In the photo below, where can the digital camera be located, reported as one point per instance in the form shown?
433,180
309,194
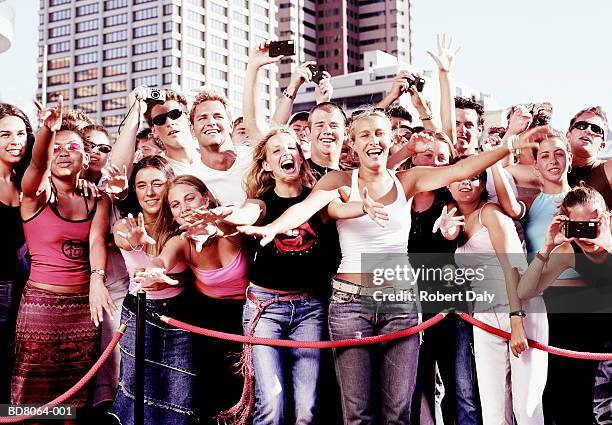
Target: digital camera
317,74
156,95
581,229
418,83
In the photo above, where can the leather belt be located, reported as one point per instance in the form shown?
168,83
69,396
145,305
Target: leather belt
352,288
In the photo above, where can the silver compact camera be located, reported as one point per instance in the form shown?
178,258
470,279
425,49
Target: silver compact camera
156,95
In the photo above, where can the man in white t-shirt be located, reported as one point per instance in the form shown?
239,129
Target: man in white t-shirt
222,166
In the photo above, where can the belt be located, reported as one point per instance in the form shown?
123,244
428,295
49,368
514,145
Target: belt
352,288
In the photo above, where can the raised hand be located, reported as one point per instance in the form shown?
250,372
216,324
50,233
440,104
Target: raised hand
139,94
446,52
531,138
324,90
421,142
199,232
604,238
554,234
519,121
267,233
117,180
374,210
491,142
400,83
51,117
259,55
302,73
86,188
448,223
152,279
136,233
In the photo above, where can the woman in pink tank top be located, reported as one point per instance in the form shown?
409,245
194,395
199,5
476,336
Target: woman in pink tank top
63,302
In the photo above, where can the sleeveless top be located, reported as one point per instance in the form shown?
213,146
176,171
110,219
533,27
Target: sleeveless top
362,235
593,176
478,254
13,240
228,281
59,247
541,213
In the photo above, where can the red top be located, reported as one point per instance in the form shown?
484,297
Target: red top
59,247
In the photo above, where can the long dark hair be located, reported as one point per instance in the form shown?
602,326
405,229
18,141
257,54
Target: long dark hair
7,110
130,205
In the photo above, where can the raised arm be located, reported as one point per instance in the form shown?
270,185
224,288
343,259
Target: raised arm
444,60
42,151
284,107
254,120
124,148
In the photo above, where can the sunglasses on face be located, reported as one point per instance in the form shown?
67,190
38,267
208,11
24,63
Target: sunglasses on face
69,147
160,119
102,148
583,125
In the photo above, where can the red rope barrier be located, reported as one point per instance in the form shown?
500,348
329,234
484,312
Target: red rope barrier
81,383
369,340
535,344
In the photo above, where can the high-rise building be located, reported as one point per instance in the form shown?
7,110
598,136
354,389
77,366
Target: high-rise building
98,51
336,33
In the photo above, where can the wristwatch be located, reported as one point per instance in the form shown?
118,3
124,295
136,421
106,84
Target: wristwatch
519,313
100,272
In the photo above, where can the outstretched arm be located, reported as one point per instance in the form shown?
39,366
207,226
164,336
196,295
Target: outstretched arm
124,149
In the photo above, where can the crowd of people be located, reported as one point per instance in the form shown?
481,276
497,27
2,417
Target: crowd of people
263,227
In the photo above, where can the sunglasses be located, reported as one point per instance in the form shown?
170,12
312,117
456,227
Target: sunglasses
363,111
102,147
583,125
160,119
70,147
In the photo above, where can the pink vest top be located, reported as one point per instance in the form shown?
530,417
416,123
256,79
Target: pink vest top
229,281
59,247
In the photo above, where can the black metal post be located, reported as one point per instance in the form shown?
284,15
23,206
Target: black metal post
141,309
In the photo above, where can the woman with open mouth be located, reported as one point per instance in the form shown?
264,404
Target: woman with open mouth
388,370
65,296
16,140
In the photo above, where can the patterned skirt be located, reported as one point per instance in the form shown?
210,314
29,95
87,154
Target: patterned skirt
56,344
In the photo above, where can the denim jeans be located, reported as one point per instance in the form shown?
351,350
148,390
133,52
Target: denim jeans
364,372
280,369
449,345
169,376
8,313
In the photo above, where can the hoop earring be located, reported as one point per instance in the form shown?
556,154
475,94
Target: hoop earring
569,169
85,166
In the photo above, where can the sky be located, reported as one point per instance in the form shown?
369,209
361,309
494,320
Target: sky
519,51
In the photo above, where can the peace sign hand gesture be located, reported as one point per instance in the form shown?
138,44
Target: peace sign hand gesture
50,117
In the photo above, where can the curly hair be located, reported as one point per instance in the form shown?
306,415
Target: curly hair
257,181
465,103
71,116
7,110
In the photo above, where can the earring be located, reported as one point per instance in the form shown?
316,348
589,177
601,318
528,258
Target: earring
569,169
85,166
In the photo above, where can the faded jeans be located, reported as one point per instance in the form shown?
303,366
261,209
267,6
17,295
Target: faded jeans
283,374
364,372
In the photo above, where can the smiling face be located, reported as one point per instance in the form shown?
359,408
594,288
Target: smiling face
184,198
13,139
371,140
283,158
68,154
553,159
468,131
98,159
327,131
173,133
240,136
211,124
585,143
150,185
467,191
439,154
301,130
587,212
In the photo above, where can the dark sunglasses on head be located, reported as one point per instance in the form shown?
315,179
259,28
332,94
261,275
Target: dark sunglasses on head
583,125
161,118
102,147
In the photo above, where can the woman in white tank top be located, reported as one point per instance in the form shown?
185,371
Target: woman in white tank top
357,309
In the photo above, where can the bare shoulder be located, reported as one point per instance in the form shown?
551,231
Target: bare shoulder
334,180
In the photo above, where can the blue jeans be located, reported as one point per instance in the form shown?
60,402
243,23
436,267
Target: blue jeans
169,375
8,315
388,369
277,369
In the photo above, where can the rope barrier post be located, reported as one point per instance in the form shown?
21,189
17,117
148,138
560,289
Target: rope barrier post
141,309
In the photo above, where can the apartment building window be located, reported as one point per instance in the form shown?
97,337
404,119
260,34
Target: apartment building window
60,15
199,3
218,58
63,46
148,80
219,42
88,9
241,3
115,4
82,43
145,31
112,104
143,14
59,63
115,36
218,9
86,58
143,1
194,33
194,67
168,60
120,19
86,91
58,2
240,49
88,107
194,17
261,26
56,80
168,26
218,74
194,50
239,17
59,31
84,26
218,25
169,8
142,48
167,78
119,52
119,69
114,87
240,34
86,74
237,64
144,65
191,83
260,10
54,95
